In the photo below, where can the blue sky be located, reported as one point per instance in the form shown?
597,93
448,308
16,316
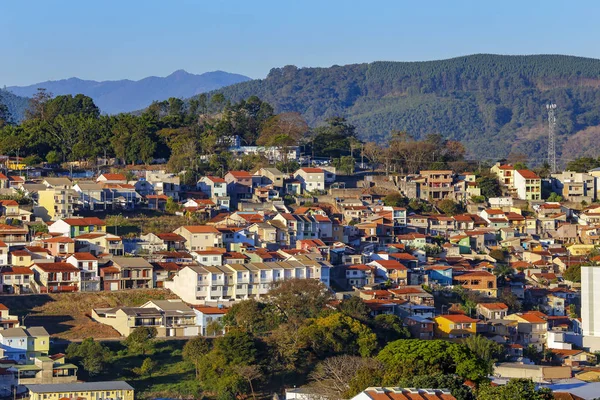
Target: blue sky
110,39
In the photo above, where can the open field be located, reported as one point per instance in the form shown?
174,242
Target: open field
67,315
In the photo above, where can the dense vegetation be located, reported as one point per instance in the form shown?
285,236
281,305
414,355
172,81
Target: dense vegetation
16,105
494,104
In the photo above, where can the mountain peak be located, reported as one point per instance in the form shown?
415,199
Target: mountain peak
179,73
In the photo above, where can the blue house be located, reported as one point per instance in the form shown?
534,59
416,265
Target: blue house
440,274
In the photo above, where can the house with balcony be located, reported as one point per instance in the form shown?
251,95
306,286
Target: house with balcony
272,177
391,270
215,188
16,280
120,196
455,326
4,254
532,328
10,210
73,227
171,318
56,201
360,275
56,277
89,275
153,242
505,174
132,273
13,235
528,185
165,183
437,185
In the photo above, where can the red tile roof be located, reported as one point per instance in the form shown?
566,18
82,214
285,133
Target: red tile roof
84,221
310,170
527,174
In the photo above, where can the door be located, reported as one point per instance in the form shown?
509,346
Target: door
114,286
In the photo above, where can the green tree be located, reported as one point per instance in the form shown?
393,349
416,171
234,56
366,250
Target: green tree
489,186
449,207
573,273
487,350
395,200
555,198
356,308
333,139
389,327
338,334
522,389
195,350
298,299
93,356
147,367
252,316
172,206
141,340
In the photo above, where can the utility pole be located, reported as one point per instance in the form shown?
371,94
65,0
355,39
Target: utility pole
551,137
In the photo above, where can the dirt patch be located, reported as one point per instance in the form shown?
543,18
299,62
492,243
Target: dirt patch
67,315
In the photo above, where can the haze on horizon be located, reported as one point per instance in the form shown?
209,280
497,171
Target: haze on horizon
114,40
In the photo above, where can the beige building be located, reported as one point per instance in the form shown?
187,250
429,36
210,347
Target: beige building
120,390
56,201
45,370
200,237
528,185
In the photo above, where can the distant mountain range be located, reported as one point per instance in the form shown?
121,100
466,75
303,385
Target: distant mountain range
16,104
494,104
125,95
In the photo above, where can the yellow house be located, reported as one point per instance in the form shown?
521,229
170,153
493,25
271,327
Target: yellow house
455,326
38,344
21,258
16,165
82,390
580,249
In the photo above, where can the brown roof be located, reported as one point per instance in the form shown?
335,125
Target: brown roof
310,170
57,267
201,229
494,306
527,174
458,318
59,239
211,310
171,237
240,174
114,177
84,256
84,221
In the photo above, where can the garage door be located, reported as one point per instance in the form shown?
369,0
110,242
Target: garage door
190,331
114,286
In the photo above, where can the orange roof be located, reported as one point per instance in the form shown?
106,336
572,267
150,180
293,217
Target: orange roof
84,221
211,310
215,179
174,237
240,174
17,271
57,267
527,174
494,306
84,256
407,394
361,267
59,239
157,197
114,177
391,264
310,170
201,229
457,318
9,203
533,317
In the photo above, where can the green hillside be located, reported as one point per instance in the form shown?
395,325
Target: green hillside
494,104
16,104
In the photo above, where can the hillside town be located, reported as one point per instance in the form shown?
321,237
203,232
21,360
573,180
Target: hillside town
429,248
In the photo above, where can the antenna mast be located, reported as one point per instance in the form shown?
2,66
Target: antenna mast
551,137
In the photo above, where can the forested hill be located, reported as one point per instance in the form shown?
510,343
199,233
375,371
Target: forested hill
126,95
495,104
16,104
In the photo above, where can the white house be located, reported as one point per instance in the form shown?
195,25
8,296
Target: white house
310,178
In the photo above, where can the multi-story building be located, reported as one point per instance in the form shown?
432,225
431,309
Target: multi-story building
271,176
200,237
20,344
527,185
239,186
165,183
13,235
100,243
532,328
437,185
89,277
216,189
590,307
7,320
16,280
479,281
117,390
505,174
214,284
171,318
127,273
492,310
44,370
56,277
56,201
419,327
90,195
575,186
310,179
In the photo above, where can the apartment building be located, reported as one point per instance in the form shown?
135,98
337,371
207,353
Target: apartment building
505,174
87,263
437,185
575,186
20,344
100,243
215,284
127,273
56,201
532,328
16,280
528,185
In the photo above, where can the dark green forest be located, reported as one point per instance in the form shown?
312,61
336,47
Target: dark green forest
494,104
16,105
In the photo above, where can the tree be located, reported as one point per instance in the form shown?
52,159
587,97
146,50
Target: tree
344,164
338,334
195,350
172,206
374,153
141,339
487,350
93,356
148,365
37,105
395,200
405,358
448,207
298,299
332,377
250,373
573,273
354,307
489,186
334,139
555,198
252,316
503,272
388,328
283,131
5,117
522,389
